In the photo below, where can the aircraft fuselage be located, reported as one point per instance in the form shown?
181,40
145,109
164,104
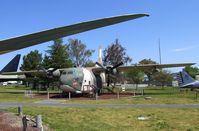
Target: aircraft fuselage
79,80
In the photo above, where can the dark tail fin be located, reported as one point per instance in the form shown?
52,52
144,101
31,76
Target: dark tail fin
12,65
184,78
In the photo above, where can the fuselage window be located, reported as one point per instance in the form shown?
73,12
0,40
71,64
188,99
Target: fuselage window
64,73
70,72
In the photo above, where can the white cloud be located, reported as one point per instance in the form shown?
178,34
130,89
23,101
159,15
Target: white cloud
185,48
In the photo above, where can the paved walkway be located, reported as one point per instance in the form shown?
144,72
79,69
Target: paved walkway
59,104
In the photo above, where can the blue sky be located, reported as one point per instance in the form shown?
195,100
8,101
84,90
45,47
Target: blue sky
174,22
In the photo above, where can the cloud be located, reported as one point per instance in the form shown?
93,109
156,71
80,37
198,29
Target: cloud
185,48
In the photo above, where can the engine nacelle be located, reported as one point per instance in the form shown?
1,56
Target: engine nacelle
157,70
115,71
56,73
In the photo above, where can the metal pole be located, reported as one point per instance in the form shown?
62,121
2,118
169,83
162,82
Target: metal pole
160,51
39,122
48,93
96,96
69,95
118,94
20,111
24,121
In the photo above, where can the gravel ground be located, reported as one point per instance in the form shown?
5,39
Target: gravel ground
12,122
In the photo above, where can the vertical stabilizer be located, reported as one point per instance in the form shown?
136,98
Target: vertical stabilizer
12,66
184,78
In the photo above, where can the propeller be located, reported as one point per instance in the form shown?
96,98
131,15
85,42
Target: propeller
109,70
50,73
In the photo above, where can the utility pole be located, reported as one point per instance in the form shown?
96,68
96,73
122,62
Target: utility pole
159,51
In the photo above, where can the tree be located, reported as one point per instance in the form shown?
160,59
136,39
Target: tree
31,61
136,76
115,53
148,71
78,53
163,77
46,63
192,71
90,64
57,56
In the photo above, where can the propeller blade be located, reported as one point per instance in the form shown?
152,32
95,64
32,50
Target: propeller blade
121,63
54,69
100,65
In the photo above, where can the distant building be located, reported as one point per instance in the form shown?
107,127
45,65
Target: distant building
197,77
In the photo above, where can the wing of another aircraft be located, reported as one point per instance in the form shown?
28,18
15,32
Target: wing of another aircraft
20,42
144,66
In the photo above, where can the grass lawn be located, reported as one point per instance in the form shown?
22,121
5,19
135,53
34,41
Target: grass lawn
167,95
108,119
14,94
111,119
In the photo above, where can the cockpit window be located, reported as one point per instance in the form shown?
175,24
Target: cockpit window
70,72
67,72
64,73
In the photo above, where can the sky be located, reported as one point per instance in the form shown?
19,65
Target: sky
173,22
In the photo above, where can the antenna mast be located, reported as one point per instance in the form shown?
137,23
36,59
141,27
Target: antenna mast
159,51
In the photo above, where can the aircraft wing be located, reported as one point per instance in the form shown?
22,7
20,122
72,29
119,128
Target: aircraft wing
33,73
143,66
20,42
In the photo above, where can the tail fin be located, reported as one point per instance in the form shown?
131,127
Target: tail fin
12,65
184,78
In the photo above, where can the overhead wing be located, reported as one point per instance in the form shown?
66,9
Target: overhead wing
144,66
20,42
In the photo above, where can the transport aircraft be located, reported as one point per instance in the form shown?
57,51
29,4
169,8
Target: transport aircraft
90,79
77,79
186,81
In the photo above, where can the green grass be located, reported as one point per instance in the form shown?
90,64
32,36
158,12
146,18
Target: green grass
159,96
14,94
111,119
62,119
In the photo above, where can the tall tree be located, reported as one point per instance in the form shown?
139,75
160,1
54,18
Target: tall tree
148,71
47,62
192,71
31,61
163,77
57,56
115,53
78,53
90,64
136,76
